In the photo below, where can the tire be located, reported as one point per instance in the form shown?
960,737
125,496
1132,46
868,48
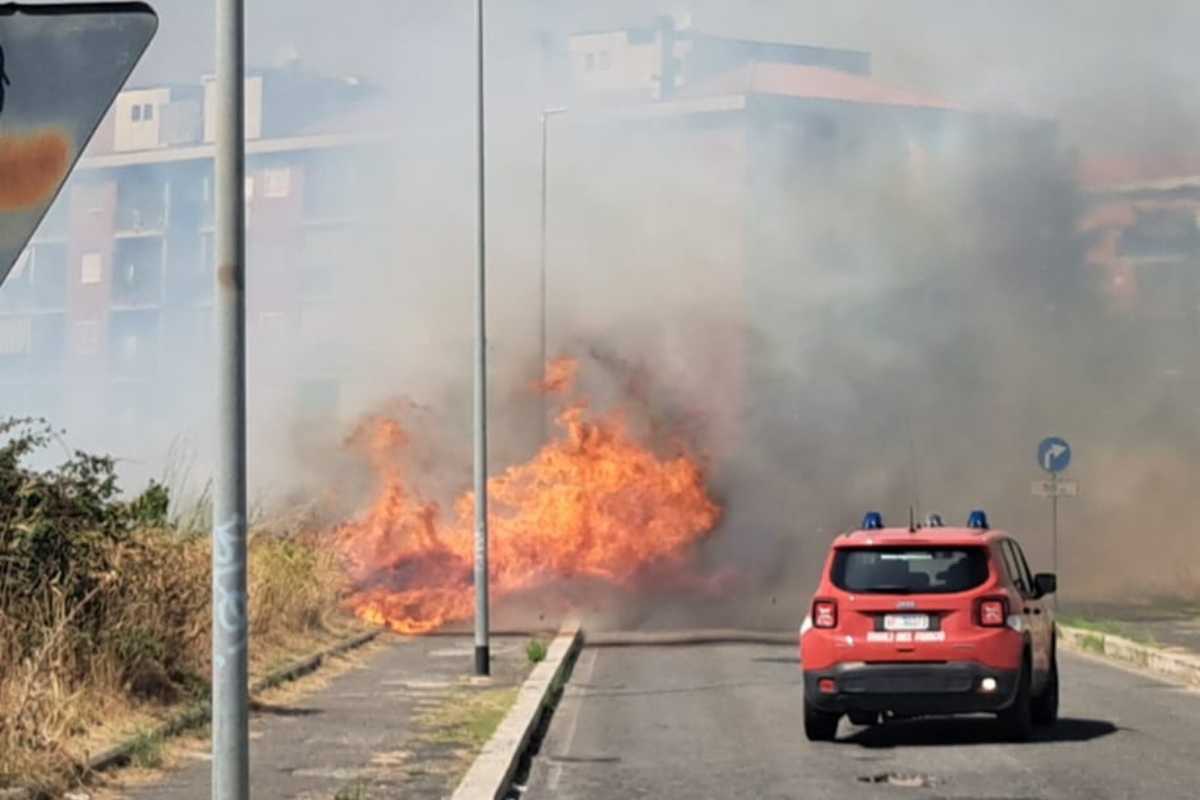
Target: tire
1017,719
863,717
1045,705
820,726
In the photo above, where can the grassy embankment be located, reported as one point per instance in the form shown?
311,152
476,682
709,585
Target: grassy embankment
105,607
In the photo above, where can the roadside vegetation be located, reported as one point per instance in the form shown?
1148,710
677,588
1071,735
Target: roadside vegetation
104,606
535,651
1100,625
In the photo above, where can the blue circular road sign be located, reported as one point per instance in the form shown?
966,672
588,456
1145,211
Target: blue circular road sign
1054,454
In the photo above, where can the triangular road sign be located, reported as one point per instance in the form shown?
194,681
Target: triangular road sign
60,68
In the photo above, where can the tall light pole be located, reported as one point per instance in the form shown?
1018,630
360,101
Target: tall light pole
230,720
482,659
545,119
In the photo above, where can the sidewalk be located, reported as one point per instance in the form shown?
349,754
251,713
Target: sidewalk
406,722
1173,626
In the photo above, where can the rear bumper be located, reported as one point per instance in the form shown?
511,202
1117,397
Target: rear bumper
905,688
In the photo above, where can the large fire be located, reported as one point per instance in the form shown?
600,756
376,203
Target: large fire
592,503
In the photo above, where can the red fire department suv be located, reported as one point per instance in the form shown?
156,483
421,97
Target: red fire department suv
927,620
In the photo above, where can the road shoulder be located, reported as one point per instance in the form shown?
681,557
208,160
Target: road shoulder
1175,664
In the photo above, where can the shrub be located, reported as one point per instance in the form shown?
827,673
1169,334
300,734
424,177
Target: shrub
535,651
104,604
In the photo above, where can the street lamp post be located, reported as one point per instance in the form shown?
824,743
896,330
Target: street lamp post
230,721
545,118
482,657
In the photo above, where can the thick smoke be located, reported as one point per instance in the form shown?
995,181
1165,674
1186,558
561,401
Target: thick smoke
917,311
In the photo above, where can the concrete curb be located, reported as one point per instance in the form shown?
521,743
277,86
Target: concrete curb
198,714
493,769
1178,666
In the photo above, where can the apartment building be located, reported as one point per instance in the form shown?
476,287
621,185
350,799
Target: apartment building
108,314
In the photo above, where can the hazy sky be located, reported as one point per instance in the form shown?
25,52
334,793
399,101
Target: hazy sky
1118,74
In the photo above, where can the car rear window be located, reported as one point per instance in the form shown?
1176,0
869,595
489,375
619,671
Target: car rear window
909,570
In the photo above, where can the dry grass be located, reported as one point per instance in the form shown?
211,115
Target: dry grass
66,689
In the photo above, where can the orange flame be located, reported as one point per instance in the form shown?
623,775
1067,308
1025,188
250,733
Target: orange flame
560,376
591,503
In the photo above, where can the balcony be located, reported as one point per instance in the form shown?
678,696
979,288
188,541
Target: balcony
142,205
190,276
137,273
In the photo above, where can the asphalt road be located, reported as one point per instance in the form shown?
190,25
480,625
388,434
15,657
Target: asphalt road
724,721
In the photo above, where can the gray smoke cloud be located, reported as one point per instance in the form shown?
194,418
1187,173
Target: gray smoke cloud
901,337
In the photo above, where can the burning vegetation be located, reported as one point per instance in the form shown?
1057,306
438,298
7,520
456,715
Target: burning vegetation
593,503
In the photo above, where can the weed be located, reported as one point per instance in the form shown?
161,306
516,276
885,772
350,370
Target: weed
535,651
147,750
354,791
1113,627
468,718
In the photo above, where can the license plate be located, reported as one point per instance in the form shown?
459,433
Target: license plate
906,622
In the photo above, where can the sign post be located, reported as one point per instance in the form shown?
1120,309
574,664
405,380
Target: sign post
1054,456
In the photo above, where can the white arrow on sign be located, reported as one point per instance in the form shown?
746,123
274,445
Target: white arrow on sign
1052,454
1055,488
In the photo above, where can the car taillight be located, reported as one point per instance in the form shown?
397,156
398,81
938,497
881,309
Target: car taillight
824,614
992,613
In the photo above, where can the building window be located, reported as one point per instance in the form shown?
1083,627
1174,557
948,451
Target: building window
148,112
135,112
87,338
605,60
91,268
589,62
278,182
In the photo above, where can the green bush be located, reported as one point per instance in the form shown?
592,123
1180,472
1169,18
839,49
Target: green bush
535,651
58,526
105,602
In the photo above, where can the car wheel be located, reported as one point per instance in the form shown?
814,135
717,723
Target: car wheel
863,717
820,726
1045,706
1017,719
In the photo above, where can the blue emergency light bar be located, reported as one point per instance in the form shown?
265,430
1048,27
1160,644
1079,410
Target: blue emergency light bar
978,520
873,521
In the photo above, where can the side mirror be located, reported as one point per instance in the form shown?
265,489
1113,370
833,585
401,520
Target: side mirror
1045,583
